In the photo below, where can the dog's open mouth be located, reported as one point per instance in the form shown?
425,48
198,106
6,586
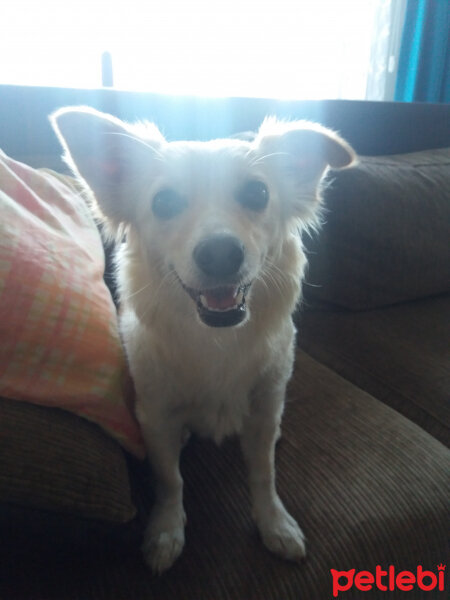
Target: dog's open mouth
223,306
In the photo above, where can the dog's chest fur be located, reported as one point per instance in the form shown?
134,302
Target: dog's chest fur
203,381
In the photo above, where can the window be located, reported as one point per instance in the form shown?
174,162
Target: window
294,49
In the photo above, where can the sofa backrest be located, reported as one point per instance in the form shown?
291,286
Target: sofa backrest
373,128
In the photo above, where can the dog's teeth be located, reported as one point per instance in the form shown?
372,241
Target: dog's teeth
222,303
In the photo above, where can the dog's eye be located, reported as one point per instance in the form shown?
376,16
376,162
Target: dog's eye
253,195
168,203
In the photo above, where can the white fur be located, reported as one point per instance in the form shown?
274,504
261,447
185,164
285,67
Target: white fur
190,377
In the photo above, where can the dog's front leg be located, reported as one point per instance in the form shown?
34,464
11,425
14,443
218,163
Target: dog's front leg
164,536
279,531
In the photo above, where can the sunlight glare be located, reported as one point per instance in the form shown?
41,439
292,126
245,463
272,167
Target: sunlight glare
278,48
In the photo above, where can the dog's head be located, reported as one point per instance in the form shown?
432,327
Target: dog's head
214,216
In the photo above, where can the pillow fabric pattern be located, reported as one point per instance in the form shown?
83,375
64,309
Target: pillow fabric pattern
60,344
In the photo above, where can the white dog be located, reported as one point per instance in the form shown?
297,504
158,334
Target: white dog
209,277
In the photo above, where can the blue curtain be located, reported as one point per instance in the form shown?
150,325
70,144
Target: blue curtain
424,64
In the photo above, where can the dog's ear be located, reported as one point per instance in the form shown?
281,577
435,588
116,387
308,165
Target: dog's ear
298,154
108,155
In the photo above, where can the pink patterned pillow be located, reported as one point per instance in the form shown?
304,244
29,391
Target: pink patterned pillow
58,329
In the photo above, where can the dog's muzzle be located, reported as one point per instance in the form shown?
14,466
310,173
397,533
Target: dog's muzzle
221,303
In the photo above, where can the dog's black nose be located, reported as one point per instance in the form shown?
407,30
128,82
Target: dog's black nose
219,255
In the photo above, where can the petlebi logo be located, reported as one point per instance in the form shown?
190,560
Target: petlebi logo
388,579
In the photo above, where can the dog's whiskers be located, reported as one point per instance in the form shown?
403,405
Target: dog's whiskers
147,285
266,156
169,279
218,343
272,277
276,269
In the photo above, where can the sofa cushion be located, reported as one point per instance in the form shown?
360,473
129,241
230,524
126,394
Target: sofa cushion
386,233
53,460
58,325
399,354
367,486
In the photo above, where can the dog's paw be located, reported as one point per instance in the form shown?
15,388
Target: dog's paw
284,537
161,550
163,541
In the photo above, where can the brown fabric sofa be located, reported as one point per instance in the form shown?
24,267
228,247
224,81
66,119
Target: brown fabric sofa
363,463
377,309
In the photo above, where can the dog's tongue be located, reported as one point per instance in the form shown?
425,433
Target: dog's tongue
221,299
